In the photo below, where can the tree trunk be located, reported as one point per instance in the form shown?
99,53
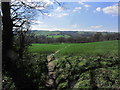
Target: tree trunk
9,63
7,36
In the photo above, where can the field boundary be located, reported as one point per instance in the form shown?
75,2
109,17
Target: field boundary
51,71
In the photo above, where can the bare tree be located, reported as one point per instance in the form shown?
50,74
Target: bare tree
16,21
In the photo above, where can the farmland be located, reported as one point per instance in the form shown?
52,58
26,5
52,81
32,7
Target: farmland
53,45
81,62
67,34
93,48
58,36
45,33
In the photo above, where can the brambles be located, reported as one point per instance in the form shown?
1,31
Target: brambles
87,72
35,70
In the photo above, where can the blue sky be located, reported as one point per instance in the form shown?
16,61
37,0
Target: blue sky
79,16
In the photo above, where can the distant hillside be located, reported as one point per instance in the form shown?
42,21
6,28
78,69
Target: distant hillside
67,34
45,33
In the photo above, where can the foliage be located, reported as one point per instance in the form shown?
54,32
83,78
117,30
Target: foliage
74,72
7,83
35,67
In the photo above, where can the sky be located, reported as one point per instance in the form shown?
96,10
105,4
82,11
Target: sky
78,16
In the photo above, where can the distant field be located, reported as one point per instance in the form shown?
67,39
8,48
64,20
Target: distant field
58,36
45,33
77,49
75,34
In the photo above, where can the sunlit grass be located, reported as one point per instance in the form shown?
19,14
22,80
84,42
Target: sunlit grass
94,48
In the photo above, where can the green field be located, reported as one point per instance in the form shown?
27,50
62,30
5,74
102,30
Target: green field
46,48
94,48
45,33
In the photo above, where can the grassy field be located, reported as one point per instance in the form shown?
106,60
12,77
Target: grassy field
46,48
94,48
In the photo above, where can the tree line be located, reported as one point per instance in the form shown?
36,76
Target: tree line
96,37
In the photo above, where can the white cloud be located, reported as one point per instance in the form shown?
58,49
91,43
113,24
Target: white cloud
59,15
111,9
48,14
87,5
38,26
75,25
37,22
82,3
77,9
69,29
97,27
58,9
114,15
98,9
